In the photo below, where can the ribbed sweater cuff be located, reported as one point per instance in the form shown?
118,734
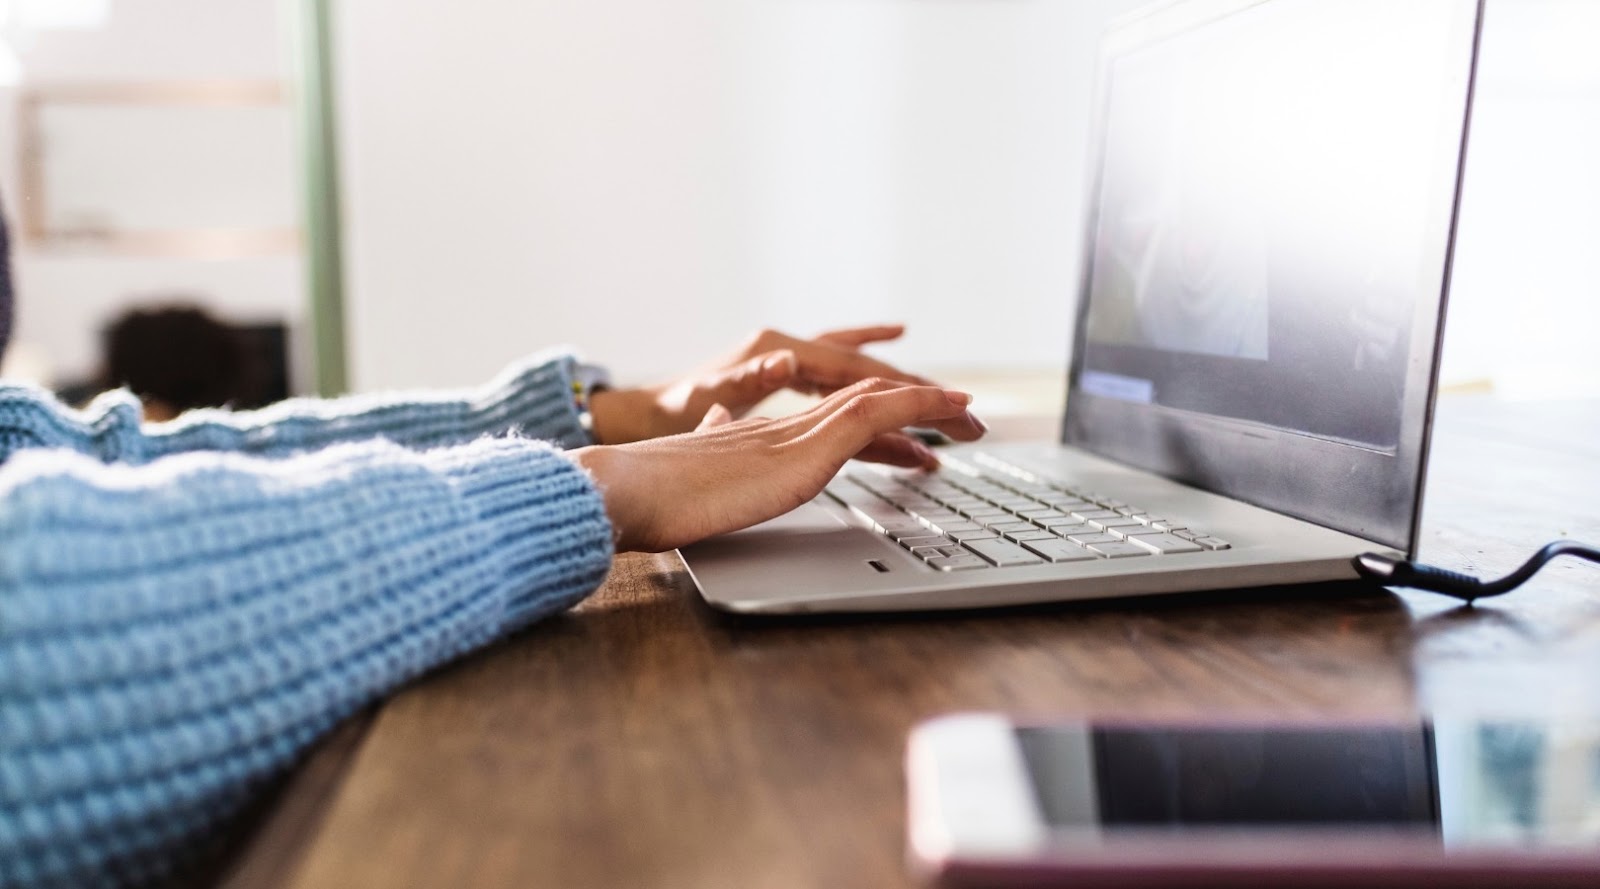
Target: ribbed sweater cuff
544,521
534,397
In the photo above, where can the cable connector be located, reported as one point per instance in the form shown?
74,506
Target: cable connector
1390,571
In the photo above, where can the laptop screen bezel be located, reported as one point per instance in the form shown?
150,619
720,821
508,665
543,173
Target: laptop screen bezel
1370,494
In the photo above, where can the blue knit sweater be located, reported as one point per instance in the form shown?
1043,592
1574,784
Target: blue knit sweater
185,607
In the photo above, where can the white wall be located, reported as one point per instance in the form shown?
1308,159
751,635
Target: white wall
653,179
1525,307
65,296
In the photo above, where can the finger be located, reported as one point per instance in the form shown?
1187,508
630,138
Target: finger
748,382
899,449
766,342
856,337
859,415
717,416
963,426
829,368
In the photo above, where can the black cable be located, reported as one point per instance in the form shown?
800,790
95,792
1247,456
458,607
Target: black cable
1398,572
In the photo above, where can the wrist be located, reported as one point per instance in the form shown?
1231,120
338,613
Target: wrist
620,416
604,466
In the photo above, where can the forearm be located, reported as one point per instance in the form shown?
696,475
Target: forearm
172,634
532,398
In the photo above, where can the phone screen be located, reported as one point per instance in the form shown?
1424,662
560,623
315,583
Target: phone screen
1470,783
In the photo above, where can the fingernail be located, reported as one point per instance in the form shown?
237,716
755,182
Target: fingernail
982,426
961,398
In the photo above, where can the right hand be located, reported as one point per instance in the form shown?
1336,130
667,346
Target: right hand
727,475
767,363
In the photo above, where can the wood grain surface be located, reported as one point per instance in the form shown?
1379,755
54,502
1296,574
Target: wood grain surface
644,740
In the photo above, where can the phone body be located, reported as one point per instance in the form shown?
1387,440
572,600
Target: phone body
1163,805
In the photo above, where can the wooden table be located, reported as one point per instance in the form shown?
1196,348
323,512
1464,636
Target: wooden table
644,740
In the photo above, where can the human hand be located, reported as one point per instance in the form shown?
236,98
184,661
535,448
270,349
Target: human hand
768,362
670,492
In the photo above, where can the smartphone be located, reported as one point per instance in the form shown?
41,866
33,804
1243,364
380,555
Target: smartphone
1436,802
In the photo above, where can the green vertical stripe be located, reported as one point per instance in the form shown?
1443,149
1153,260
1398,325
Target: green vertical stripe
324,244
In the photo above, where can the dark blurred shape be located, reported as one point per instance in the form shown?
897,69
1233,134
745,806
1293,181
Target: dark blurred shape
266,352
177,357
5,283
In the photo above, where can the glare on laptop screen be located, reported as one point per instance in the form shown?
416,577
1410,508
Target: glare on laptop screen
1261,241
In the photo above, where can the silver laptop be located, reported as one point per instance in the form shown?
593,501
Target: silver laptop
1272,210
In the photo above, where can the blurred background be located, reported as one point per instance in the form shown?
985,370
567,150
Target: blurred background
370,194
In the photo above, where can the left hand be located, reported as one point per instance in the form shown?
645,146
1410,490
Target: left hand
673,491
768,362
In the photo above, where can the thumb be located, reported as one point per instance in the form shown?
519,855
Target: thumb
752,380
717,416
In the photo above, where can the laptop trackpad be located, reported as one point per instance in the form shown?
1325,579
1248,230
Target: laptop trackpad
813,547
807,519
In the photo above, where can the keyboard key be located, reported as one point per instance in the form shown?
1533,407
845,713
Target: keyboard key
1008,517
1071,505
842,489
1003,554
1166,544
883,517
915,504
1119,550
915,543
962,504
958,563
1058,550
851,495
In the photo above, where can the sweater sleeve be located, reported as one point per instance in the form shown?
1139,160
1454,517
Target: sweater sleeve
173,634
533,398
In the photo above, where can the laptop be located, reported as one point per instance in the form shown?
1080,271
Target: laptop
1273,197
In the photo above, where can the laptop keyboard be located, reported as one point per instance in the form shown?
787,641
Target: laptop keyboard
1005,517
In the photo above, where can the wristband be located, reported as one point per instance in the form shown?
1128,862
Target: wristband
587,379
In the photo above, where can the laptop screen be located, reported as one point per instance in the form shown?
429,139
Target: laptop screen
1268,248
